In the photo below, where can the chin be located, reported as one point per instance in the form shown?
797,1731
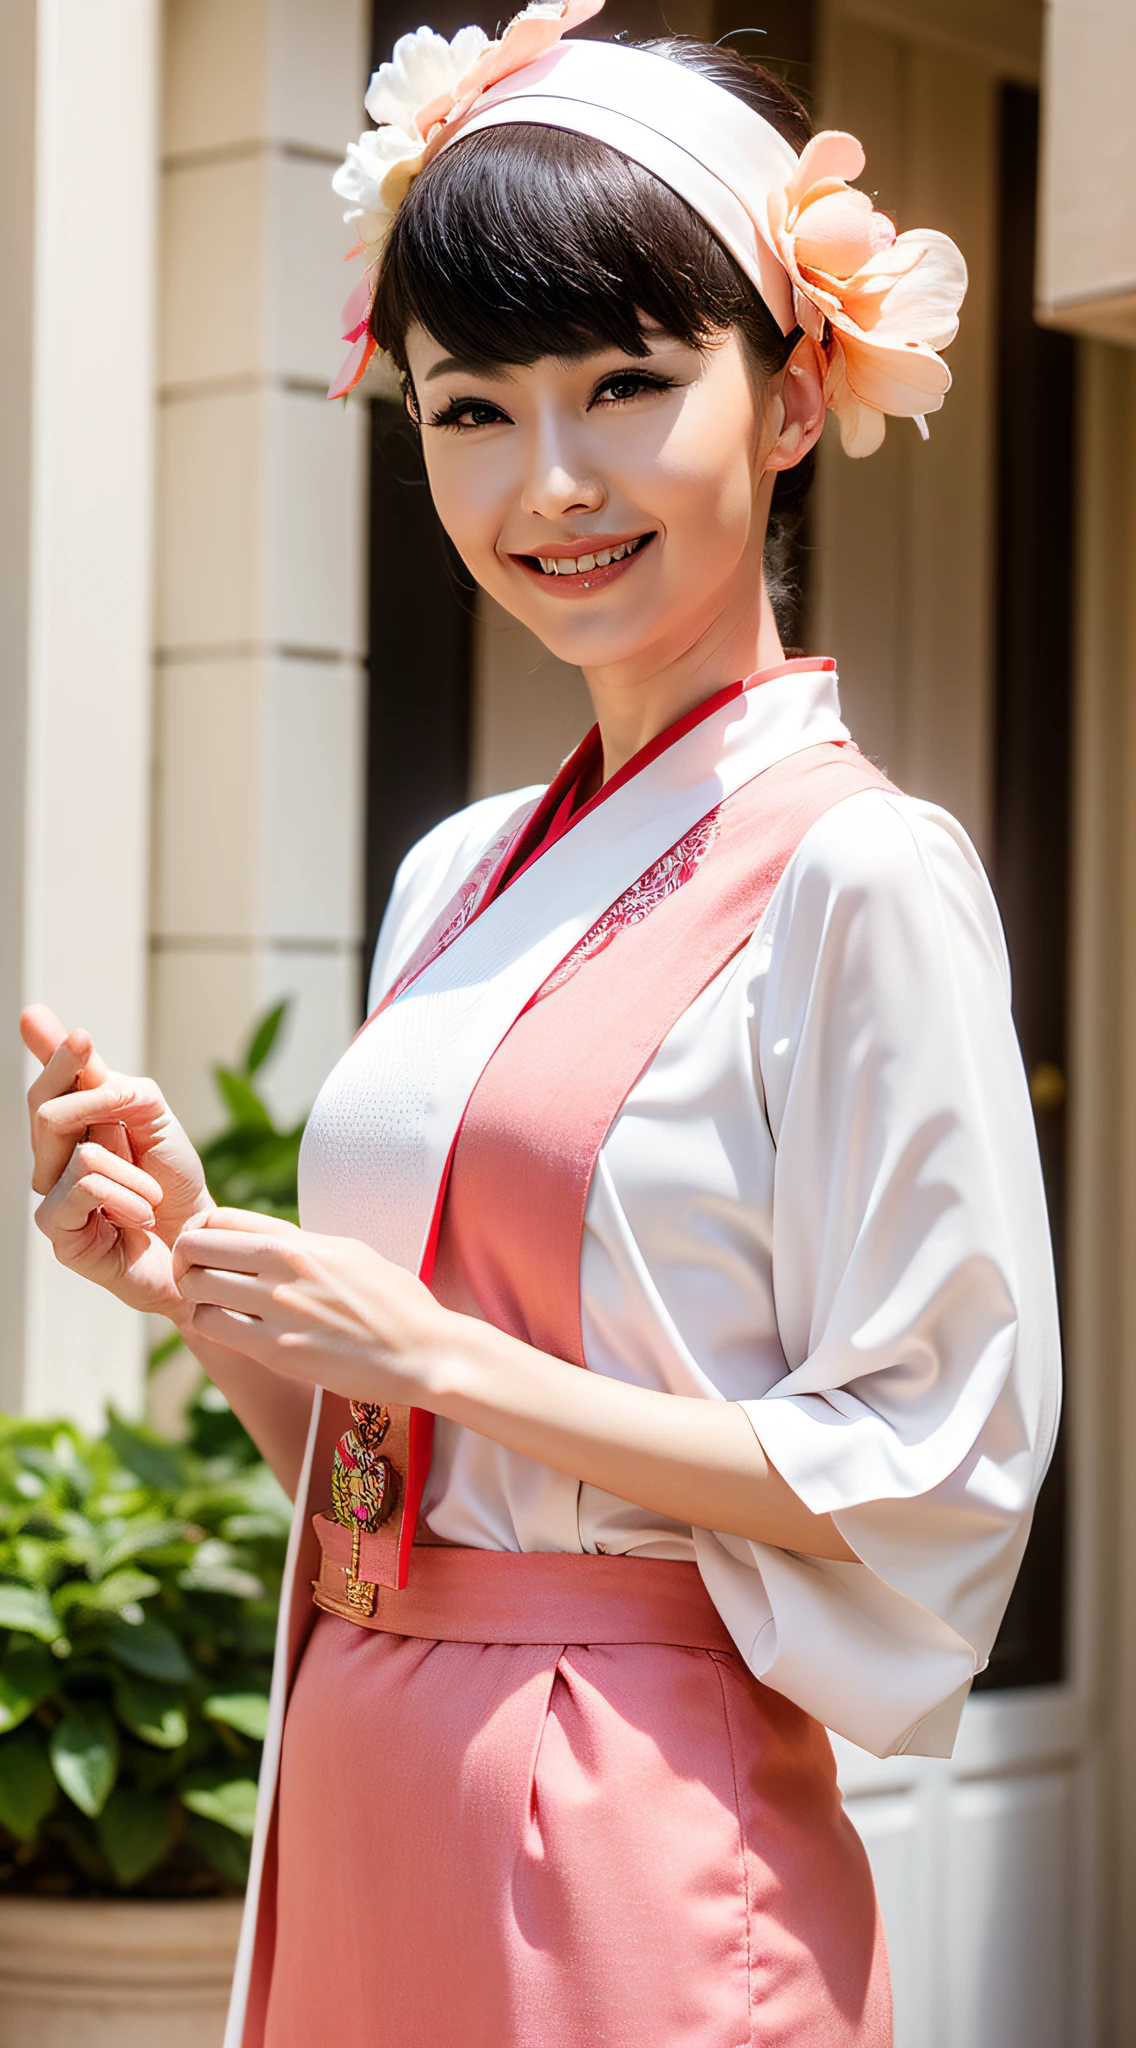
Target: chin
594,642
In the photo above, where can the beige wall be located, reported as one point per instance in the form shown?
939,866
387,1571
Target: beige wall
1087,245
261,531
78,134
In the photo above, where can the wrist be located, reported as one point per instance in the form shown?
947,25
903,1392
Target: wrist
452,1366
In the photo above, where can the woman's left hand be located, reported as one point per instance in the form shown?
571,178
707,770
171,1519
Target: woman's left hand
329,1310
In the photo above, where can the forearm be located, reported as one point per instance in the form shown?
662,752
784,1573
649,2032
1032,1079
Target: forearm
695,1461
274,1409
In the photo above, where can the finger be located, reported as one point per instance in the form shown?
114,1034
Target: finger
41,1031
68,1211
252,1220
43,1034
64,1071
225,1326
59,1124
240,1291
230,1251
91,1157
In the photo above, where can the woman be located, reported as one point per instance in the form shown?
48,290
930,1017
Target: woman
695,1070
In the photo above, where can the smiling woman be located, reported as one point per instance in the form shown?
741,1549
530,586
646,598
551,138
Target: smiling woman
665,1366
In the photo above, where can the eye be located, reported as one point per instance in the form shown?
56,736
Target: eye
466,413
624,385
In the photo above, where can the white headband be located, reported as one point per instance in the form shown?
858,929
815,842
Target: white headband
878,305
719,155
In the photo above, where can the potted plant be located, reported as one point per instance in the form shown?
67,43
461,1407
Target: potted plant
138,1588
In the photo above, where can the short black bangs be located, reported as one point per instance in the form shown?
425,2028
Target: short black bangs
522,242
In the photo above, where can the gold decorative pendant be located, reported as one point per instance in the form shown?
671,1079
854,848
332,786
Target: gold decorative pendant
364,1490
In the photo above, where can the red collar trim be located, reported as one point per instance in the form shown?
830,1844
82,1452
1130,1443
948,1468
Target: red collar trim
555,813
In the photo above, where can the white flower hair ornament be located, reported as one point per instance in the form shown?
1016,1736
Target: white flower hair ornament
877,305
417,100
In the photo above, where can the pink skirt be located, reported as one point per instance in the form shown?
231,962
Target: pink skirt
494,1842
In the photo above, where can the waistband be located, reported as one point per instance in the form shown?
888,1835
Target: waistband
504,1596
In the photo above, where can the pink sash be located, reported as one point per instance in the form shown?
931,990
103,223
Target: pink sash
513,1216
510,1214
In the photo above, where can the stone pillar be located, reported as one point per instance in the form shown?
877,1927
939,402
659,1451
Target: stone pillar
78,124
1087,229
259,699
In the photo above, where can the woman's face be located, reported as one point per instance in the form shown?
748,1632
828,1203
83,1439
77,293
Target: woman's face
613,503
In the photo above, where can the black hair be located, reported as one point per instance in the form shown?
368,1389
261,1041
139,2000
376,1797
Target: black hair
524,241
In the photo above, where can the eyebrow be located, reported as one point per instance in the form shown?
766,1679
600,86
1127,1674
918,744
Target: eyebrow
466,366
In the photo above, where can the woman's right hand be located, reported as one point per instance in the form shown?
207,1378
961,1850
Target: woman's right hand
118,1175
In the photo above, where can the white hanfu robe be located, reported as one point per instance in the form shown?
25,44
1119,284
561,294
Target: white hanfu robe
822,1200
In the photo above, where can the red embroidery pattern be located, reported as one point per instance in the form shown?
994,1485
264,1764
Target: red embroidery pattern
457,913
668,874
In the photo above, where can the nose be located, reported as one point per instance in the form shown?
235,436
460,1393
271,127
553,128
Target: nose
559,484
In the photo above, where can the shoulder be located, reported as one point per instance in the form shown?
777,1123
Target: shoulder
433,872
883,863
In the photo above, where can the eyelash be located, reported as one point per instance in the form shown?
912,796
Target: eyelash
454,414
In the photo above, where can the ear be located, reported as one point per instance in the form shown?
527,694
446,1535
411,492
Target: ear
796,407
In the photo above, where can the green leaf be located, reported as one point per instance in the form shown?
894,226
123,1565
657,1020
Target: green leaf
243,1103
152,1712
228,1853
163,1349
222,1797
144,1454
245,1711
220,1577
150,1648
27,1675
28,1609
132,1828
27,1784
84,1755
264,1038
139,1541
107,1596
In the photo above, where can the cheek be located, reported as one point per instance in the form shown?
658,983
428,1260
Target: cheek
470,490
705,493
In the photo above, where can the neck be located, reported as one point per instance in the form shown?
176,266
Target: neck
632,710
636,699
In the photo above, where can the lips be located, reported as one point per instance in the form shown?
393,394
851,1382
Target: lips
571,568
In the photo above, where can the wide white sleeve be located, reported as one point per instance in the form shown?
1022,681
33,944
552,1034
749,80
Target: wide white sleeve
912,1272
433,872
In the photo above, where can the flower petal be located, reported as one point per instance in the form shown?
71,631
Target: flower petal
862,427
903,381
353,367
530,34
357,309
923,304
831,154
421,66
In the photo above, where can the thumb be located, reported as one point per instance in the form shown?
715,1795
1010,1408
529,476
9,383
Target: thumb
43,1034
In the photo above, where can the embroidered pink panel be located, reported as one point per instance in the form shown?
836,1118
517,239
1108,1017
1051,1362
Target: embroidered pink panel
512,1225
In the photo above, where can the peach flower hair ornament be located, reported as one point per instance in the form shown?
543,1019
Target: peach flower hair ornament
877,305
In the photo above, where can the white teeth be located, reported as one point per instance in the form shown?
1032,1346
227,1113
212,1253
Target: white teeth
573,565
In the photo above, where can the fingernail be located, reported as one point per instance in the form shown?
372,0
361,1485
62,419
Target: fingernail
149,1220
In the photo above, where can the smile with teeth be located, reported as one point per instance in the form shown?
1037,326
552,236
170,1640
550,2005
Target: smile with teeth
575,565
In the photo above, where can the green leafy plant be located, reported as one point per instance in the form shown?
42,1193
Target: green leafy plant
138,1589
250,1164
